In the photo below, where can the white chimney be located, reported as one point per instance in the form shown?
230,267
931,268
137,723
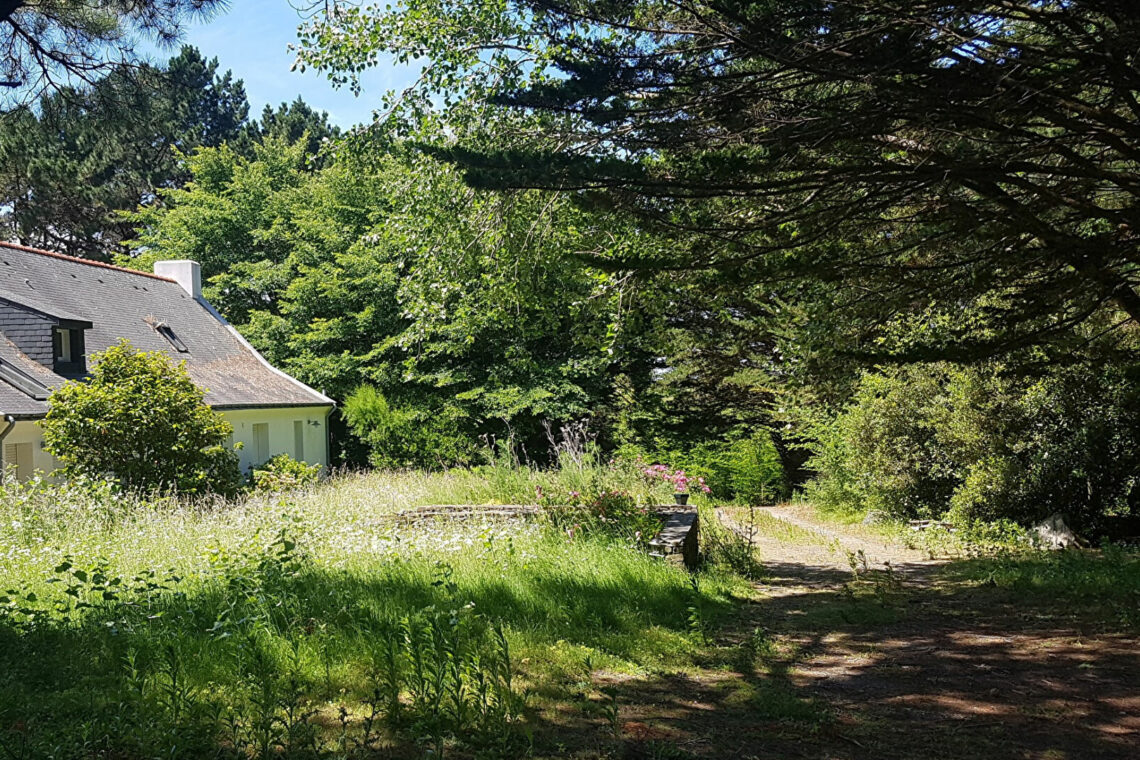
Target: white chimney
186,273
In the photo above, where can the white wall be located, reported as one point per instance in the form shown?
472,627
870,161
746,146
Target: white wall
280,423
281,438
28,431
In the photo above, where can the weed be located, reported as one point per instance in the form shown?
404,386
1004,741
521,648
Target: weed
178,628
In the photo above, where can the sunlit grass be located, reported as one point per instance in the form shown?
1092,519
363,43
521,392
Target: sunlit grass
304,592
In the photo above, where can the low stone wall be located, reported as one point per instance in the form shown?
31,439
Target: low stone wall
466,512
678,541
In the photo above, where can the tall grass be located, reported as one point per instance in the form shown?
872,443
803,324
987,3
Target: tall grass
311,624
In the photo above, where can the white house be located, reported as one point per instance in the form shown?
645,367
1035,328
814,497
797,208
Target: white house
55,310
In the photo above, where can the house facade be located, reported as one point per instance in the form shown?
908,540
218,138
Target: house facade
57,310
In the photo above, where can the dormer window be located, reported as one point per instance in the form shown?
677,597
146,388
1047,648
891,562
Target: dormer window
68,351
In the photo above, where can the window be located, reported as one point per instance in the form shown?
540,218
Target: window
67,351
299,440
18,461
64,353
260,443
172,338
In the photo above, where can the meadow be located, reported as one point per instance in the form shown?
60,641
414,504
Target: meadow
313,624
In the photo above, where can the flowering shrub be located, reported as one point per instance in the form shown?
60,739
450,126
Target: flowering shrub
679,480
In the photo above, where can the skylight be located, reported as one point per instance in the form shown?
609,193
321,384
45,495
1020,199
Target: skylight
172,338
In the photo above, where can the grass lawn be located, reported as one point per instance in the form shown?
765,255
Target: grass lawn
314,625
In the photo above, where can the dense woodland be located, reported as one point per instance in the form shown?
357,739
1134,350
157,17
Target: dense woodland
902,264
824,266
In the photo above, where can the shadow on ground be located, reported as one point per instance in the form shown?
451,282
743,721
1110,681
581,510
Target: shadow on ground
819,665
922,668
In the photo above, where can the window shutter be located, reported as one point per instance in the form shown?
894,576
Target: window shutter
18,460
11,465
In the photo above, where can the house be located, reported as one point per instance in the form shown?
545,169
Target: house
57,310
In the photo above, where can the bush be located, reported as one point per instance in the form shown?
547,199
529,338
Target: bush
748,470
405,437
973,443
284,473
140,418
882,453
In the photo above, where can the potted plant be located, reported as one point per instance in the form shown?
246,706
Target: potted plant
681,482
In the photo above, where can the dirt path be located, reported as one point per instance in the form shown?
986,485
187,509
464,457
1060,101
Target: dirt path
899,660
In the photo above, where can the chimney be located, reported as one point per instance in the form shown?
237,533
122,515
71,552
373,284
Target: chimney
186,273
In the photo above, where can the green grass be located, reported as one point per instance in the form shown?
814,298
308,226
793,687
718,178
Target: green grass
1096,583
284,626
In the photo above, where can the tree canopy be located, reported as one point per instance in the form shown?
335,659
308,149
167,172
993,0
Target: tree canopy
968,165
70,166
462,307
61,43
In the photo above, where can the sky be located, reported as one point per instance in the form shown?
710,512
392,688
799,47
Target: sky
251,38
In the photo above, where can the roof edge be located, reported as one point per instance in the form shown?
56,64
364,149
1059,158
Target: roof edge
88,262
297,405
323,399
82,324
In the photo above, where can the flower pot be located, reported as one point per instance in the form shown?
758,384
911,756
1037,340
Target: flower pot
681,498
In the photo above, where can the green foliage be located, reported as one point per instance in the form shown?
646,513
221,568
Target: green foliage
747,470
141,419
403,437
70,166
881,453
293,122
1105,580
284,473
899,206
174,630
979,444
53,41
461,308
612,512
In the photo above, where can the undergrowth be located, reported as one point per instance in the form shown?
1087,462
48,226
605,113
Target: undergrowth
313,626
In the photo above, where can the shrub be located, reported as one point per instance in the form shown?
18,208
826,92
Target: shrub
141,418
973,443
748,469
615,512
882,454
284,473
405,437
755,470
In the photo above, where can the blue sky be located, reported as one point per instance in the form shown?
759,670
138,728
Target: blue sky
251,38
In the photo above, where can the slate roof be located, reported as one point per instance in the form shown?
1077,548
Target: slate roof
122,303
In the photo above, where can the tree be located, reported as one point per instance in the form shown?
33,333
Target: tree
69,167
140,418
292,122
462,308
968,166
55,43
